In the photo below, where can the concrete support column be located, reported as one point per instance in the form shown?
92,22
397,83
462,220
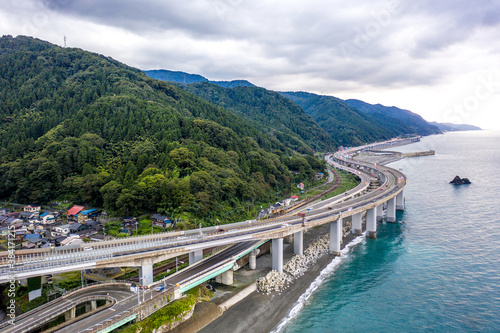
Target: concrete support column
252,259
371,223
93,305
400,201
357,229
391,210
380,212
70,314
146,272
277,254
225,278
195,256
288,239
335,236
298,243
177,293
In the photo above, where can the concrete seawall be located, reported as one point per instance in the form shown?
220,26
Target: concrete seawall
207,312
238,297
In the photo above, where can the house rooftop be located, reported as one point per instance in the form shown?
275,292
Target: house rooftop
75,210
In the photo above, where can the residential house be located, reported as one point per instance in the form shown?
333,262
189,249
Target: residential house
76,227
276,208
31,208
14,214
74,211
85,233
48,218
59,239
3,218
61,230
33,239
19,234
17,223
301,186
72,240
4,210
87,214
28,215
93,224
161,221
129,221
97,237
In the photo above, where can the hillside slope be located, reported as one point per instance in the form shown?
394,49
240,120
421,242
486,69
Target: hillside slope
186,78
84,127
401,120
347,125
448,127
271,112
265,109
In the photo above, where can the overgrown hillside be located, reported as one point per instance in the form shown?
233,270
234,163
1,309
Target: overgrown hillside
80,126
346,125
403,121
272,113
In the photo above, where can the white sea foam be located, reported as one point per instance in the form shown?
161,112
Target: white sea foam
326,272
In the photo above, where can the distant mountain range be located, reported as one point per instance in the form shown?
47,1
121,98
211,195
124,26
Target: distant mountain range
398,119
350,122
186,78
448,127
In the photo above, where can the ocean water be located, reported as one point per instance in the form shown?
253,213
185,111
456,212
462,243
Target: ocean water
438,268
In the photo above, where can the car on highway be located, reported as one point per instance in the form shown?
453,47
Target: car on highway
160,288
284,225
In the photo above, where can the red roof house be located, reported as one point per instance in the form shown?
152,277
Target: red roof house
75,210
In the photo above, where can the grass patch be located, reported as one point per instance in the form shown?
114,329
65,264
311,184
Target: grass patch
171,312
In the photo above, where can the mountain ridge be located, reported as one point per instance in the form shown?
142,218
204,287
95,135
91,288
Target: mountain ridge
187,78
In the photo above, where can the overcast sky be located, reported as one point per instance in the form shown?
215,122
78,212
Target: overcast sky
436,58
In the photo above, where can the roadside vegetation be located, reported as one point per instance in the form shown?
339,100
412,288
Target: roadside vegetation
171,312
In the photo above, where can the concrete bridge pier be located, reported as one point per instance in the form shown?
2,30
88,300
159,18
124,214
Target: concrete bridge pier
391,210
277,254
146,272
252,259
225,278
380,212
400,201
195,256
70,314
90,306
356,224
371,223
298,242
335,236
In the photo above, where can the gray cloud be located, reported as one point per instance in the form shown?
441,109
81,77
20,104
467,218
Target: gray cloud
335,46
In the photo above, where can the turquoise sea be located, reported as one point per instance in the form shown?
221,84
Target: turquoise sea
438,268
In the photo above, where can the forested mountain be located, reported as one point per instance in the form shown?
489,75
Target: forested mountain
80,126
186,78
269,111
347,125
448,127
403,121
